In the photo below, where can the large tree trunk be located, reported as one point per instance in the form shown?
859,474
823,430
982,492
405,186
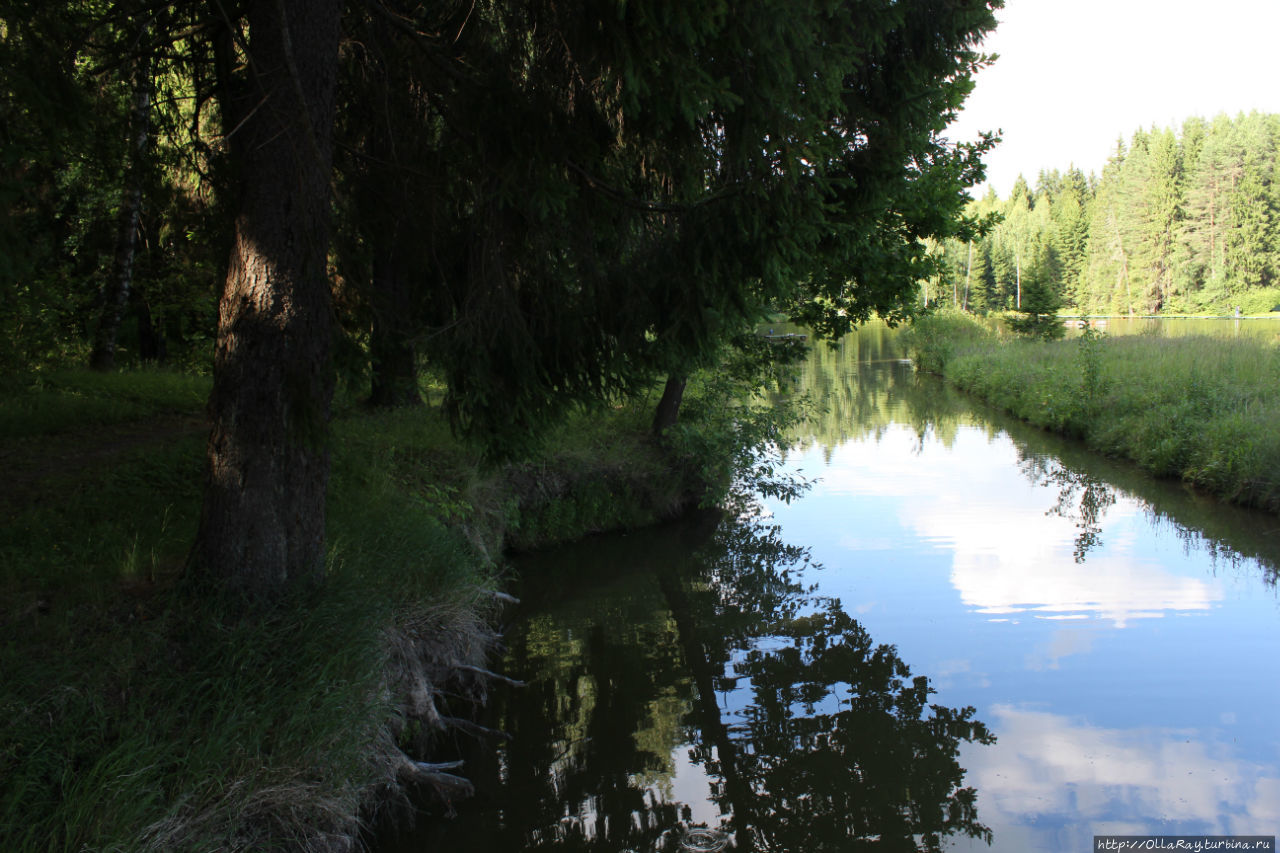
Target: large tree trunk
116,292
668,411
262,523
391,348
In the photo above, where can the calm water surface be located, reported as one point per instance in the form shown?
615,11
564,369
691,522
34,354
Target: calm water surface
965,631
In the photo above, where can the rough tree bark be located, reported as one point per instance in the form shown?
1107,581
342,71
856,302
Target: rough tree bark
392,191
262,522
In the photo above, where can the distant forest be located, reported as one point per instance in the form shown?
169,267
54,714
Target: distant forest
1179,222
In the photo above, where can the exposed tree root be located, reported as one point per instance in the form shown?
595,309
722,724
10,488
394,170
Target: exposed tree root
472,728
436,660
491,675
498,595
447,785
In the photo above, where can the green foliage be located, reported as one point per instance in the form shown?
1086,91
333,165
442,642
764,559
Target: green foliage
605,471
734,419
935,338
600,471
614,192
1089,355
1197,408
1180,222
64,108
1045,327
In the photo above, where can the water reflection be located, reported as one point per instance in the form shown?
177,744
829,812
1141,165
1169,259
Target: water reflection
707,685
1082,498
851,408
1118,634
699,697
834,744
870,393
1087,779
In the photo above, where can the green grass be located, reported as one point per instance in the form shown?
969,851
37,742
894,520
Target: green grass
43,403
127,518
1203,409
140,718
190,728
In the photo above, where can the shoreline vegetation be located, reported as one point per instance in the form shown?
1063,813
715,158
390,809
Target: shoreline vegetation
234,661
144,715
1197,408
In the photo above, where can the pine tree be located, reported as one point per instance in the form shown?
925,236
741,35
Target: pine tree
1106,282
1160,212
1071,233
1249,240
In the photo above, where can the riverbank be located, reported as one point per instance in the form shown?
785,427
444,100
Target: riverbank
1198,408
138,717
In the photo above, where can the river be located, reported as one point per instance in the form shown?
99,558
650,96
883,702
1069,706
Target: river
965,632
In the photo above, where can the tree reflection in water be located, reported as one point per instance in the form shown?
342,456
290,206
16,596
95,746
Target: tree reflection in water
838,747
832,745
1082,498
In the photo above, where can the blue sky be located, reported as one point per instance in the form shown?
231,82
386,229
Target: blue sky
1074,75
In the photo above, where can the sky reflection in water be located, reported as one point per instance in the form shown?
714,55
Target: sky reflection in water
1127,664
1117,636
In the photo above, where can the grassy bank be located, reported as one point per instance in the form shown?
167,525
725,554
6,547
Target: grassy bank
137,717
1197,408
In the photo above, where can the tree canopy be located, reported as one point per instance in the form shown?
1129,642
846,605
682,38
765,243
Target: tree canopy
1180,221
551,203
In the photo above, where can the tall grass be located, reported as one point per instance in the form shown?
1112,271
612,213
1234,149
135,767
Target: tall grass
1203,409
137,717
936,338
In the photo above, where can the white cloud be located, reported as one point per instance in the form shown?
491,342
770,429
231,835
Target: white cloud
1076,74
1029,577
1009,557
1048,770
1063,643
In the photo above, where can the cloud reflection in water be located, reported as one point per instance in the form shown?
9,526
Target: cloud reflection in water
1048,770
